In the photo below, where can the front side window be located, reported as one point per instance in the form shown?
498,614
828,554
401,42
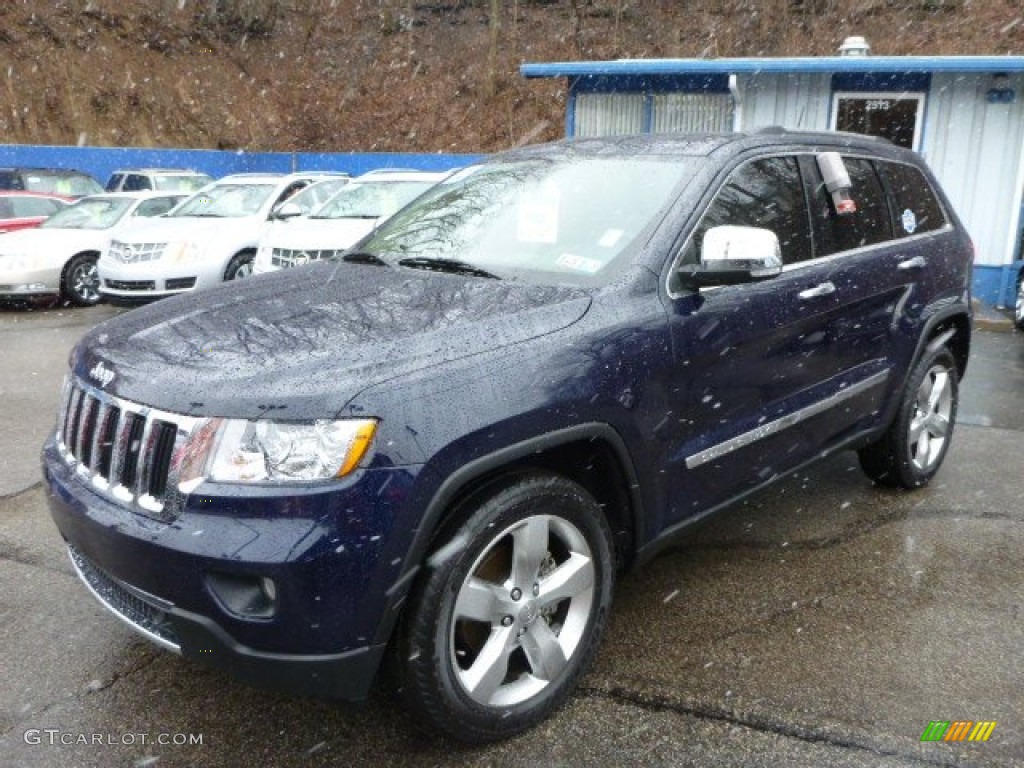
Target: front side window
565,220
768,194
34,206
136,182
371,199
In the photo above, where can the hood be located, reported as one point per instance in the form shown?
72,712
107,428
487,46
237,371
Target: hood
30,242
303,342
318,234
197,228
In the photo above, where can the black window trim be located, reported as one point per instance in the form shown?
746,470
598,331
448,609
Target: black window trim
817,260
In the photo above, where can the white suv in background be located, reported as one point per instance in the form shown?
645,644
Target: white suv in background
162,179
208,239
342,221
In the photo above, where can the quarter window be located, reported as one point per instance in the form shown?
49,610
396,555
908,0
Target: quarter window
916,208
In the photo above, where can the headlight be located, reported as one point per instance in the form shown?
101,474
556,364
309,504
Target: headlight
184,252
267,452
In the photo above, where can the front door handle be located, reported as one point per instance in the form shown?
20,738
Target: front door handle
824,289
915,263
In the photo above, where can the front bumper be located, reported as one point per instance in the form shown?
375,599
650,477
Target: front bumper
147,281
332,555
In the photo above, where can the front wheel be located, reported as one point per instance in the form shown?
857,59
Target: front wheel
81,283
910,452
510,611
240,266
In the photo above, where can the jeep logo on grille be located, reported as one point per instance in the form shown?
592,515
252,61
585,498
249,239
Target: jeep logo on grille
102,374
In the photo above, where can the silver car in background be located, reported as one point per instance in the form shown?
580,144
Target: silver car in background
343,220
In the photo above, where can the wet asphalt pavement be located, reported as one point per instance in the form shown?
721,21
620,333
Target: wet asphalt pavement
822,622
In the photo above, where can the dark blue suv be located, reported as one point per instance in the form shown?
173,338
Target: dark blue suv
439,449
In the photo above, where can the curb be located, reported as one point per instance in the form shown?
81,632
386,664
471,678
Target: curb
988,318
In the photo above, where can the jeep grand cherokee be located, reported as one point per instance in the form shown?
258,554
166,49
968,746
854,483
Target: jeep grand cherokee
441,448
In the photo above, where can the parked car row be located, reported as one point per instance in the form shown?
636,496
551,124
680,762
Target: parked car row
141,241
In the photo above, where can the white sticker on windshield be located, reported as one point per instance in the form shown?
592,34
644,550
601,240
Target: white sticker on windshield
909,221
610,238
580,263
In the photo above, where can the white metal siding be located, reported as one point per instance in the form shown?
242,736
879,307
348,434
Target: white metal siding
975,149
799,102
609,114
691,113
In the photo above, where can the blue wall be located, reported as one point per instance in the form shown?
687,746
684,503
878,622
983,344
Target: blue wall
997,285
102,161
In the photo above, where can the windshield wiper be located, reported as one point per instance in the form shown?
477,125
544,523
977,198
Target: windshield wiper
363,257
447,265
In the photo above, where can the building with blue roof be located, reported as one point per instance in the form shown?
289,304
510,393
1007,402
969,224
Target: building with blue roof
964,114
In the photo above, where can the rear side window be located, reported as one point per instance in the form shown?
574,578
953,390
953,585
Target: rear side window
766,193
869,224
916,207
114,183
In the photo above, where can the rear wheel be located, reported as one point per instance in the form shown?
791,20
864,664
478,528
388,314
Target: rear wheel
240,266
81,283
910,452
510,612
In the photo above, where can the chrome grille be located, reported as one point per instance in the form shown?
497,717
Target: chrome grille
128,452
135,253
147,615
296,257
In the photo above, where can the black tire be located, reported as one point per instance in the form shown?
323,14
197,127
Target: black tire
1018,308
80,283
240,266
534,641
912,449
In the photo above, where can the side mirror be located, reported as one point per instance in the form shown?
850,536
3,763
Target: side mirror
731,255
286,211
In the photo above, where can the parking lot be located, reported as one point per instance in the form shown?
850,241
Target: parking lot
821,622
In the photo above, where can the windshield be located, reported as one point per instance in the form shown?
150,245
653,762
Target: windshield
227,201
180,183
372,199
552,221
91,213
70,185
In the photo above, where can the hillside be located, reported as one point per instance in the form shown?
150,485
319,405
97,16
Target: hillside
398,75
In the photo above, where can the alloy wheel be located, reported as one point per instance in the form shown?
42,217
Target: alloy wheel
930,424
522,611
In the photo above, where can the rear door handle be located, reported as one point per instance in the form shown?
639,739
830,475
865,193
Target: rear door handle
824,289
915,263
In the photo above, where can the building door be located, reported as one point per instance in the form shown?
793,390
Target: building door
893,116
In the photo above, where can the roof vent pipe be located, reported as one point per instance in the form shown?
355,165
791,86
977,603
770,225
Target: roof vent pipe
855,46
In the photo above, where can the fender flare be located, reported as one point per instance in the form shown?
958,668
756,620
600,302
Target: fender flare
452,485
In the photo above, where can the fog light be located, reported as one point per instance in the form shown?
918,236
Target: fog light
247,597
